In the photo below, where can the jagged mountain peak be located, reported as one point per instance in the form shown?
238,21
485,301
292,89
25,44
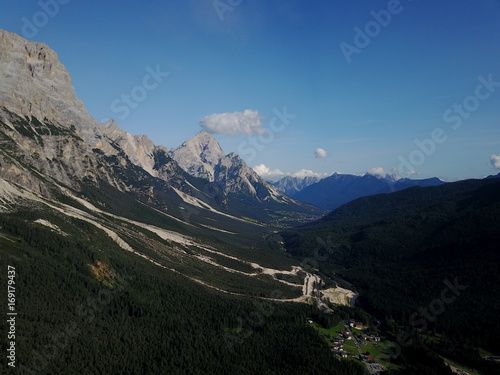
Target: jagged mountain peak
204,141
233,155
202,157
204,136
199,155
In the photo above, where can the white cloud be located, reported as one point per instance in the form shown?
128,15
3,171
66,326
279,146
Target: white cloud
276,174
377,171
247,122
320,153
307,173
413,173
495,161
396,171
380,172
268,174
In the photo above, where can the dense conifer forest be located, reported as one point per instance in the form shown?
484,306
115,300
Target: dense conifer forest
87,307
425,261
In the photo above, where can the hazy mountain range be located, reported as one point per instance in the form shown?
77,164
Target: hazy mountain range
292,185
334,191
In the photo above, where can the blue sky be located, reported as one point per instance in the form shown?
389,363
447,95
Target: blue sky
368,104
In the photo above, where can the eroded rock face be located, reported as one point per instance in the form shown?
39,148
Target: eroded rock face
34,154
35,83
45,128
139,148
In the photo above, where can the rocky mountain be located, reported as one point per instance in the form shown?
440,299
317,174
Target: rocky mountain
202,157
339,189
292,185
51,143
199,155
47,130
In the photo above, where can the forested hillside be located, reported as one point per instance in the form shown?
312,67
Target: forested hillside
402,250
85,306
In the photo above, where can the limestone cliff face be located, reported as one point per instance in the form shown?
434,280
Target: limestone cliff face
35,154
35,83
139,149
46,128
46,132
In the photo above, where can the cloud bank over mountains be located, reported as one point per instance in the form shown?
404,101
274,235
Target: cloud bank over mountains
276,174
495,161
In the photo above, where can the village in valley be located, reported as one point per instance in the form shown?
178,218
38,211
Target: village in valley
352,339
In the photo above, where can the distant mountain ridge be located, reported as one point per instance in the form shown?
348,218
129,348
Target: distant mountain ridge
292,185
338,189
